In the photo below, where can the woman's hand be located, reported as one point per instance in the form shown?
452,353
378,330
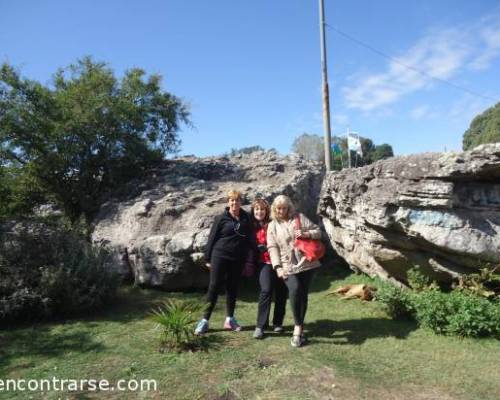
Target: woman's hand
281,274
299,234
208,265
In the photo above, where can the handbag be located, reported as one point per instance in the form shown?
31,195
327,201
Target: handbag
312,249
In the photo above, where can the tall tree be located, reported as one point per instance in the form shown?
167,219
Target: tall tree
310,146
86,132
484,128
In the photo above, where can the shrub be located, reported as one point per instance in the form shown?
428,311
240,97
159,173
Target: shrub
176,318
51,271
474,316
432,308
485,283
457,313
461,313
417,280
397,302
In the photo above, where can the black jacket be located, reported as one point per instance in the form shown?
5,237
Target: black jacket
230,238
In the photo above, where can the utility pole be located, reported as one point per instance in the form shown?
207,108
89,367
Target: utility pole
348,147
326,96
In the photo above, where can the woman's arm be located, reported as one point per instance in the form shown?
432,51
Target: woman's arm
212,238
312,230
272,245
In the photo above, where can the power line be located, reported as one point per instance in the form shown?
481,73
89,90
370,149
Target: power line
380,53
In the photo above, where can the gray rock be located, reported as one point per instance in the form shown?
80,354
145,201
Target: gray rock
159,232
440,212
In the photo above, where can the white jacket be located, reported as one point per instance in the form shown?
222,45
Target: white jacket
280,239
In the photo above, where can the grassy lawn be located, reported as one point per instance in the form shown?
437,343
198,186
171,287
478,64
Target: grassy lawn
355,352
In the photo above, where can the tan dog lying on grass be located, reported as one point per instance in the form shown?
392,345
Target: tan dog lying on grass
360,291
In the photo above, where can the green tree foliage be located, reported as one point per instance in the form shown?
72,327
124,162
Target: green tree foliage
339,159
245,150
19,192
484,128
382,151
86,133
372,152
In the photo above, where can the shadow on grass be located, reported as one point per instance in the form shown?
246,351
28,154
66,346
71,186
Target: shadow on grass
357,331
331,270
130,303
39,341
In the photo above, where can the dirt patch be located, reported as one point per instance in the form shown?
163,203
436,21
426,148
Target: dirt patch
323,384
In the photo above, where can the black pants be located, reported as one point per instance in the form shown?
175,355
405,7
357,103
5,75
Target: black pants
298,290
228,271
269,283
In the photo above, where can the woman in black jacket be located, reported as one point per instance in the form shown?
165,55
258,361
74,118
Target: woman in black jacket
230,239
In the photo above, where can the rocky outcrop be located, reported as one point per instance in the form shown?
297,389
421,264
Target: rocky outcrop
158,228
439,211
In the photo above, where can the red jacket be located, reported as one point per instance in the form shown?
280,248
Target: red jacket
261,237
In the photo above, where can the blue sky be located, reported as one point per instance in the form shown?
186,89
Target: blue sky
250,70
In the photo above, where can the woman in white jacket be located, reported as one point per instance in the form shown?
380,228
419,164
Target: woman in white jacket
288,262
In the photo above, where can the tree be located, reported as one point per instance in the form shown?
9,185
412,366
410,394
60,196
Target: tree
339,158
245,150
484,128
87,132
310,146
19,193
381,152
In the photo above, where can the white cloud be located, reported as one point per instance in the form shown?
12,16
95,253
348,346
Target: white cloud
340,119
419,112
440,54
490,35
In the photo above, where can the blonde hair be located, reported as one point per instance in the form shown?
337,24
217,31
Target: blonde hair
282,199
233,194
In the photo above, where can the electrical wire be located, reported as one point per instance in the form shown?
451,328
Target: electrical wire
410,67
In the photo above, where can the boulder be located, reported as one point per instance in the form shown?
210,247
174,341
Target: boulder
158,228
439,212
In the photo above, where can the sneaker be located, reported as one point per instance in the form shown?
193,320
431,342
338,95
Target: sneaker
278,329
232,325
297,341
201,327
258,333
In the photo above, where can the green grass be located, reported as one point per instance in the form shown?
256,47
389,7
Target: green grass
355,352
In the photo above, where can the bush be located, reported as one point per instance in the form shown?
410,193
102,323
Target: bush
51,272
417,280
455,313
485,283
397,302
176,319
473,317
432,309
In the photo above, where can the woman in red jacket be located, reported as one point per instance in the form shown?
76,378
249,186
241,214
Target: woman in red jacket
268,280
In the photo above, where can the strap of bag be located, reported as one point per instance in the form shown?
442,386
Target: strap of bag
297,223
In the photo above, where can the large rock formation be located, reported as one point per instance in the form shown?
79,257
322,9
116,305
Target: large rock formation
439,211
159,231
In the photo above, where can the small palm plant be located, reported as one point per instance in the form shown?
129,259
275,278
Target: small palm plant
176,318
